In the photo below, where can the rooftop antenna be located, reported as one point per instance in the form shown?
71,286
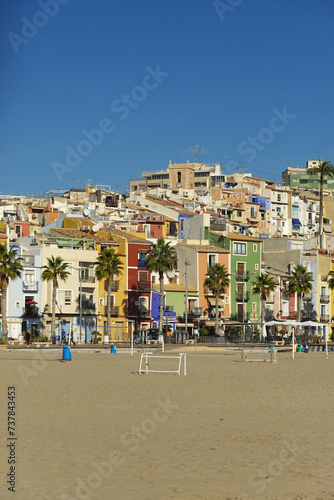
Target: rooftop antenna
196,151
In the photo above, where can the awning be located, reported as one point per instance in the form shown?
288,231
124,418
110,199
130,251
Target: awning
296,222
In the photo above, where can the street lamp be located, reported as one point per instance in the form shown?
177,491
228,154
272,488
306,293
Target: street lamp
186,263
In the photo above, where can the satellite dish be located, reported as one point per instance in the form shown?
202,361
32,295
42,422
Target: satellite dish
86,211
100,225
224,233
171,273
251,230
178,185
95,228
168,193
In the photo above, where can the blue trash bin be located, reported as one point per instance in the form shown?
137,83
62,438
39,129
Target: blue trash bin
113,348
271,348
306,348
67,352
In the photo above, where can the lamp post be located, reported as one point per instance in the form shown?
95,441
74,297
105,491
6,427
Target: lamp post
186,263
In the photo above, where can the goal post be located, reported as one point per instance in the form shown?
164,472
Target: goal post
144,365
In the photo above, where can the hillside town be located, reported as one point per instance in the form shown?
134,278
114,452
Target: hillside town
248,225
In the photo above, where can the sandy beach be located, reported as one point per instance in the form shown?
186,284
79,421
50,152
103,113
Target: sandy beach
92,428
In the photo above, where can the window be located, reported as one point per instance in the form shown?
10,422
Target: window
142,259
101,302
254,248
256,267
253,213
278,197
238,213
68,297
64,297
278,209
239,248
254,306
212,259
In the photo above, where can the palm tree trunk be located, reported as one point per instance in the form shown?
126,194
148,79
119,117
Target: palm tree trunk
109,308
217,313
299,303
161,315
321,212
53,317
4,313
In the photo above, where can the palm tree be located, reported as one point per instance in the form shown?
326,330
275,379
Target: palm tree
217,280
108,265
162,258
324,169
55,269
263,286
10,268
300,282
330,280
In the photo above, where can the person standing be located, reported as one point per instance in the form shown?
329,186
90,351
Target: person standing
28,338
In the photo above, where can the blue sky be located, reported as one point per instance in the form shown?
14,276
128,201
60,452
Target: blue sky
103,90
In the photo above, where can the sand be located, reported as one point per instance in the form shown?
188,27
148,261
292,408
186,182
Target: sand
93,428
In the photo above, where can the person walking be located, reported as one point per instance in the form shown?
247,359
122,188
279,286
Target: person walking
72,339
28,338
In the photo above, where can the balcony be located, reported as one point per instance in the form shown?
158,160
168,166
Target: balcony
144,285
114,311
28,260
244,276
88,279
30,286
324,318
196,311
208,291
324,299
114,286
144,313
87,306
239,317
285,295
242,297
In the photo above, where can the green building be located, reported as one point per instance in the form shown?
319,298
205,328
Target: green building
245,265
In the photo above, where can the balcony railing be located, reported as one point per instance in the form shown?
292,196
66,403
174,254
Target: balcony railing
196,311
88,279
324,318
242,297
144,285
208,291
30,286
87,306
242,276
114,311
114,286
285,295
28,260
324,299
144,313
239,317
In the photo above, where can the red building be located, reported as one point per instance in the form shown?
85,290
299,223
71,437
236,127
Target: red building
138,277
